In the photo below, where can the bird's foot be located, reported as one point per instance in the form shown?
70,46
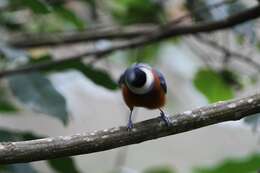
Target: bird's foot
166,119
130,125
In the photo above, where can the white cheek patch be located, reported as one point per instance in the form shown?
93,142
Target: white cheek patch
148,84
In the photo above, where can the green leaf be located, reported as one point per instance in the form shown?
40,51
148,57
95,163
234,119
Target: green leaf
63,165
136,11
212,85
248,165
37,6
231,78
161,169
7,106
69,16
8,135
38,94
98,76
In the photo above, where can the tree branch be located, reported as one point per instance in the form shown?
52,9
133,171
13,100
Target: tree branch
52,39
155,36
55,147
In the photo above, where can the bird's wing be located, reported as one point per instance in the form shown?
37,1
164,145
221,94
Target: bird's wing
162,81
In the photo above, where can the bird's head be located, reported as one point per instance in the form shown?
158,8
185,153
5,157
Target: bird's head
139,78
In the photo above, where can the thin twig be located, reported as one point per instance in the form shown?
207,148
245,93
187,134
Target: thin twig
231,53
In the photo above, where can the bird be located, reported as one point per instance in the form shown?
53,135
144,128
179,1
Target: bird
143,86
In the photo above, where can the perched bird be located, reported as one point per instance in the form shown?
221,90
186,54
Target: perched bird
143,86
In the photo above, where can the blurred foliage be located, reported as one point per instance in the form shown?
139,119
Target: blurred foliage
69,15
8,135
212,85
247,165
161,169
98,76
253,121
147,54
204,15
38,94
6,105
37,6
231,78
46,17
18,168
63,165
136,11
245,30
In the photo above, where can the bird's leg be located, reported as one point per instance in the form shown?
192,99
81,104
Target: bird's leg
130,123
165,118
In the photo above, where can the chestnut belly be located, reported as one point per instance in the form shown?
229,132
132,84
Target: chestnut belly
152,100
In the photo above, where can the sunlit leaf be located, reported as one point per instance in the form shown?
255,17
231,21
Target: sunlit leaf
38,94
212,85
247,165
63,165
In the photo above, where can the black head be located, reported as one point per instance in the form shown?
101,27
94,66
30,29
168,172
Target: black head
139,78
135,77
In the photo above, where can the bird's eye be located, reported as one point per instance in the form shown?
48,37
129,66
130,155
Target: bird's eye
139,80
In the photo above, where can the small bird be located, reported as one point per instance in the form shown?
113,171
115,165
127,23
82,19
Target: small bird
143,86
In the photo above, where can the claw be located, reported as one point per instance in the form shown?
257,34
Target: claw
165,118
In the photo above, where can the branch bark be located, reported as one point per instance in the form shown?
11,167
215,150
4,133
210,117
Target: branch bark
55,147
157,35
53,39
